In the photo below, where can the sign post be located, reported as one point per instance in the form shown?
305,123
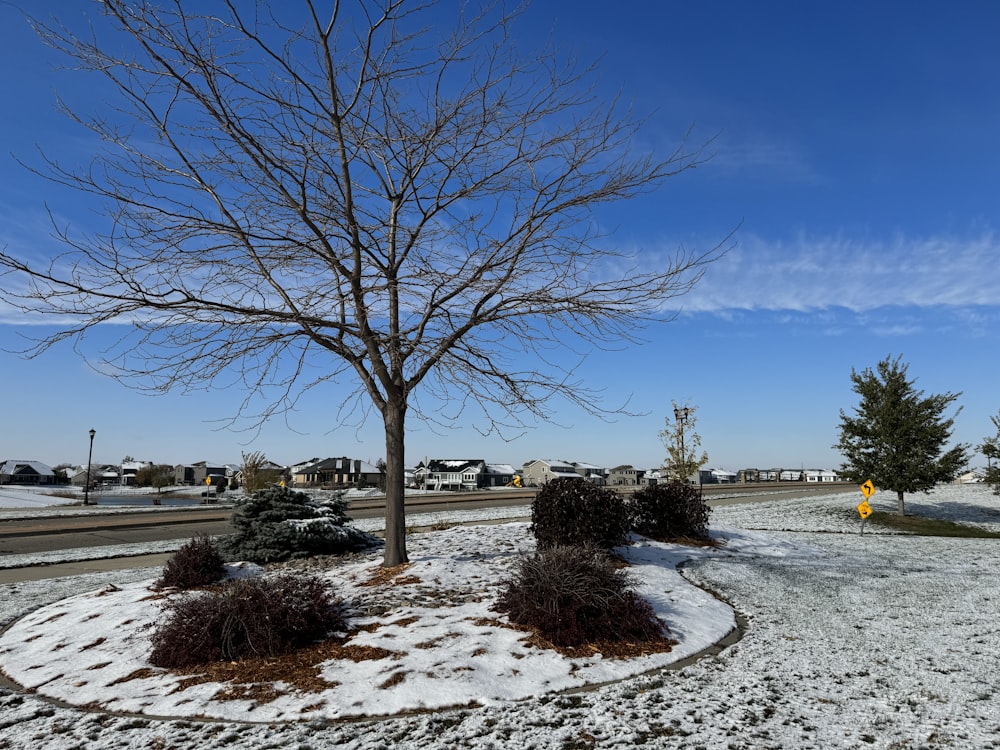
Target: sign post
864,509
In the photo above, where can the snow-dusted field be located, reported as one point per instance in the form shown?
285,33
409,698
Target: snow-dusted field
880,640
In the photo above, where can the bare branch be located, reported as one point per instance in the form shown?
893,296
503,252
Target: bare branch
301,194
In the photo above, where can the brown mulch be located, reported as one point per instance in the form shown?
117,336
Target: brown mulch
391,576
607,649
695,541
265,679
252,678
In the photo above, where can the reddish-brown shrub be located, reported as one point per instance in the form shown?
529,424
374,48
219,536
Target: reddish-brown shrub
254,617
574,595
575,512
197,563
668,511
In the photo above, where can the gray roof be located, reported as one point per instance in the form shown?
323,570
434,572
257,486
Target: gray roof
11,467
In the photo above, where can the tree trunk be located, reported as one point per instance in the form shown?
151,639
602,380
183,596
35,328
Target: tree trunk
395,483
899,503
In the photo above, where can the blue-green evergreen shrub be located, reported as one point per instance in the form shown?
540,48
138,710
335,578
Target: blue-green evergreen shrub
276,524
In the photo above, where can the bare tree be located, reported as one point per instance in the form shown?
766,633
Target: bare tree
256,474
336,188
990,448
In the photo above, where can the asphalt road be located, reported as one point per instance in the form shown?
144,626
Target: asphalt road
43,533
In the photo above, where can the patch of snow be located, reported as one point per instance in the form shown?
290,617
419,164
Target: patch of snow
875,640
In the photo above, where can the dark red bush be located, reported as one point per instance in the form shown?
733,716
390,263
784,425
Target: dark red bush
197,563
670,511
573,595
576,512
255,617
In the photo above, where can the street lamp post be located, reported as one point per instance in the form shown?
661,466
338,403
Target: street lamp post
681,415
90,458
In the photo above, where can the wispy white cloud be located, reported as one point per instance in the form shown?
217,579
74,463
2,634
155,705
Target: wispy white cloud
764,159
809,274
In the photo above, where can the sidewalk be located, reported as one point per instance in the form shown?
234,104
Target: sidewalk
81,567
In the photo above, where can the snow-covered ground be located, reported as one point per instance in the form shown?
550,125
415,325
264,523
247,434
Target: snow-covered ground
875,640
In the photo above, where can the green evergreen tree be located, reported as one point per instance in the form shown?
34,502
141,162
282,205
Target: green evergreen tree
276,524
897,435
991,449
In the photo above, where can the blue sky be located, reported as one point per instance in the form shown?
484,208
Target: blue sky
856,152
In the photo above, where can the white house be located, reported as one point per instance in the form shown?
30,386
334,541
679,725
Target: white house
452,474
820,475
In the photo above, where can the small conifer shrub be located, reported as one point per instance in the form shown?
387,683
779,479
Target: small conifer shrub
575,512
261,617
670,511
573,596
277,523
198,563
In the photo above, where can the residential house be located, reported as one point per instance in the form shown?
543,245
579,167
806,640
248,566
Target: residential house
269,469
591,472
196,474
99,474
300,471
499,475
339,472
452,474
625,475
820,475
973,476
663,476
717,476
543,470
26,472
128,470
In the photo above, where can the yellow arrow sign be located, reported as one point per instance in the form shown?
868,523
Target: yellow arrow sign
864,509
868,489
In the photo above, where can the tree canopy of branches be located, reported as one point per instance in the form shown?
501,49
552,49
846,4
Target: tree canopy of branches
684,457
990,448
258,472
155,475
897,436
307,192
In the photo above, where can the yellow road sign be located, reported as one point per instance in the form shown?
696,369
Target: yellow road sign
864,509
208,480
868,489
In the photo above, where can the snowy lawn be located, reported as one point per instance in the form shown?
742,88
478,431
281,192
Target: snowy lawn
886,641
435,641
